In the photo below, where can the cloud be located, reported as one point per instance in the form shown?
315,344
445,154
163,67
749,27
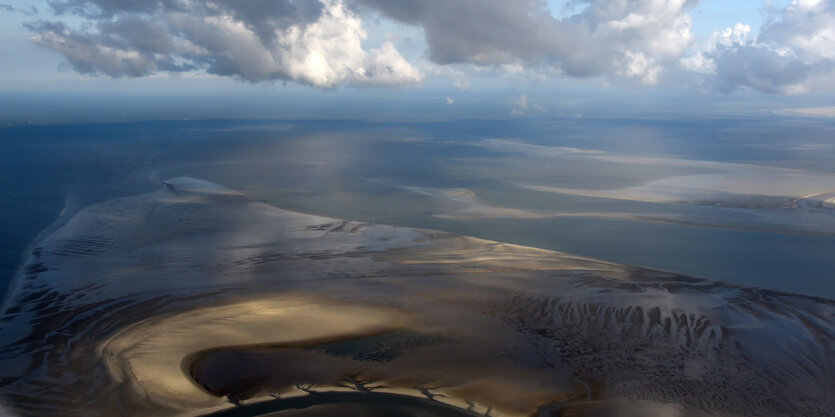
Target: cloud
632,40
793,53
523,103
320,42
29,10
702,61
461,84
313,42
323,43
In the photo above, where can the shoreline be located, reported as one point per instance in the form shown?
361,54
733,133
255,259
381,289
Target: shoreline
60,221
71,208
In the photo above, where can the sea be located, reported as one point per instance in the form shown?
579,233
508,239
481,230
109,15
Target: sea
741,200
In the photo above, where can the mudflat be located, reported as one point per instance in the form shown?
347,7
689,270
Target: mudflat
197,299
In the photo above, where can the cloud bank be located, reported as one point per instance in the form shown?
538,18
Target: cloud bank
322,42
617,39
793,53
312,42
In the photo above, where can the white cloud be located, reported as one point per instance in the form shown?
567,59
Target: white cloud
385,66
461,84
522,102
314,43
324,43
793,53
625,40
521,106
701,61
320,42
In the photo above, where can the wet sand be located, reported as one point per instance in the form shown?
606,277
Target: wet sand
195,298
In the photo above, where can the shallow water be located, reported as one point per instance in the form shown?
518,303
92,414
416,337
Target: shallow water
397,173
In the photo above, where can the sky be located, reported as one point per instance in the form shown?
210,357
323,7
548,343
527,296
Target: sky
487,58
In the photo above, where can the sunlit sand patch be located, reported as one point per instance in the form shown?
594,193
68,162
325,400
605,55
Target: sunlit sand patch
742,186
462,195
451,356
472,207
822,112
724,180
149,355
711,188
488,212
775,202
557,151
532,149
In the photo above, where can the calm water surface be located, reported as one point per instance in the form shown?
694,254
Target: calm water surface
467,177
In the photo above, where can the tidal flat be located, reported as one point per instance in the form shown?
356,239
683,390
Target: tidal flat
478,268
217,303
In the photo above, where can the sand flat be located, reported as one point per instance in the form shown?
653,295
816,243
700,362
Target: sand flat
183,300
149,355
